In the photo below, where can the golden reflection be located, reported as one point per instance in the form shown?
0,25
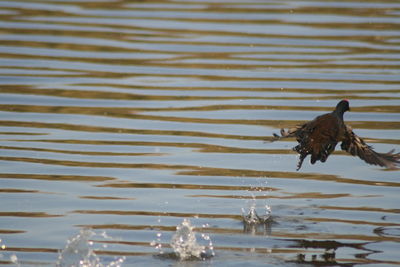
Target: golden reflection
133,114
126,112
106,198
13,190
28,214
185,186
5,232
55,177
327,236
122,253
304,93
30,249
125,227
162,214
19,133
362,208
356,222
195,171
87,128
80,152
202,95
282,175
310,195
385,125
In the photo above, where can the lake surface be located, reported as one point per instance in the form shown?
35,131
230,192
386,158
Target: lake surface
128,117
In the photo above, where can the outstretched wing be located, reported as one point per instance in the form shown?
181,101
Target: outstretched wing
356,146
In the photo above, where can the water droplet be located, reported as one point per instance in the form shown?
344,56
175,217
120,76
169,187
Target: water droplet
14,259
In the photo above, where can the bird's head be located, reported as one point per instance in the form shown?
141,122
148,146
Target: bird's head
343,106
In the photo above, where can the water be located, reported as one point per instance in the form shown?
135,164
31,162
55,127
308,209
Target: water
80,252
128,117
185,245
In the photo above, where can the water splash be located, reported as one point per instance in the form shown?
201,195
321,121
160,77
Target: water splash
79,252
185,244
252,217
254,223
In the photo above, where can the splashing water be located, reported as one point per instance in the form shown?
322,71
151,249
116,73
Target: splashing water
254,223
79,252
252,217
185,244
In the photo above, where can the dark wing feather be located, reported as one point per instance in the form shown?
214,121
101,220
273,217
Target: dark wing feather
356,146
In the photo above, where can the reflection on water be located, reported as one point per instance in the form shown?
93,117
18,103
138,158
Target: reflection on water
131,116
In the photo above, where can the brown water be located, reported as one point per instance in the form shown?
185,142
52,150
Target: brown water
130,116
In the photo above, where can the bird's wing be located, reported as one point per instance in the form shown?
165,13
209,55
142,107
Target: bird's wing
356,146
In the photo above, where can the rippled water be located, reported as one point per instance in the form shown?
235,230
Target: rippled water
130,116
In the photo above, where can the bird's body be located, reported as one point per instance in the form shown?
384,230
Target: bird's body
320,136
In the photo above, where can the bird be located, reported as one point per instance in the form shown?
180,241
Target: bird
320,136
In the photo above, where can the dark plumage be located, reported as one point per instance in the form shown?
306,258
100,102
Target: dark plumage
320,136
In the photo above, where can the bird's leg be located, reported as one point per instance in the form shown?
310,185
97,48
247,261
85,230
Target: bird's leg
301,159
303,154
